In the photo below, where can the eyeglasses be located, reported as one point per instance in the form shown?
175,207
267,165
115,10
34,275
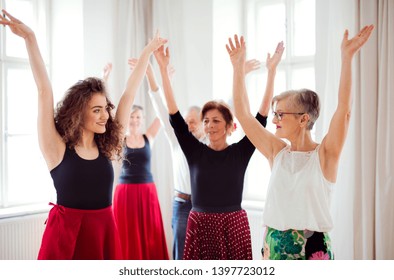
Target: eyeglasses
279,115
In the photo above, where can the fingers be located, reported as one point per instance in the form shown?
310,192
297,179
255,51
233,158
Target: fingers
346,35
10,16
242,41
231,44
279,48
228,49
363,35
237,44
366,32
168,52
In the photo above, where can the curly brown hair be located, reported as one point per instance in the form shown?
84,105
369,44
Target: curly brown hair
70,112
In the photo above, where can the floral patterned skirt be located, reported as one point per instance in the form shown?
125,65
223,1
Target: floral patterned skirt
296,245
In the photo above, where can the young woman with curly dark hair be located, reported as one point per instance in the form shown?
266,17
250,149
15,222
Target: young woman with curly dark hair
78,143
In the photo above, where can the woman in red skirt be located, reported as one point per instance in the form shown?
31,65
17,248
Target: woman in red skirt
218,228
78,142
136,205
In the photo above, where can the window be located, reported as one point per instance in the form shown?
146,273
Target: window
24,178
264,23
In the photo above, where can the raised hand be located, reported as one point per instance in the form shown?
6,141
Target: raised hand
251,65
273,61
16,26
106,71
237,52
350,47
162,56
156,42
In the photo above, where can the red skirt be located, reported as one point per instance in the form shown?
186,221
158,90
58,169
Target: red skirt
218,236
139,221
75,234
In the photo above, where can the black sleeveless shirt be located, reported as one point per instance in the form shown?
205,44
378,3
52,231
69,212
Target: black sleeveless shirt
136,167
83,184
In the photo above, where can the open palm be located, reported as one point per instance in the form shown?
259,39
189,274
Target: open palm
350,47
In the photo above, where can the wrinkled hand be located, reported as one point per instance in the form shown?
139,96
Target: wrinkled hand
162,56
238,52
156,42
252,65
272,62
16,26
106,71
352,46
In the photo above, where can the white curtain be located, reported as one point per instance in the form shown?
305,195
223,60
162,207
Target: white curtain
385,133
361,208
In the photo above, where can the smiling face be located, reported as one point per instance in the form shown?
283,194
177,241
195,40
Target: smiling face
96,114
215,126
136,120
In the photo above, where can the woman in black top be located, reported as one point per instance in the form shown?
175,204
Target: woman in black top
136,204
77,145
218,227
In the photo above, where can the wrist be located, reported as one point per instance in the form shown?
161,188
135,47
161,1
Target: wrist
30,37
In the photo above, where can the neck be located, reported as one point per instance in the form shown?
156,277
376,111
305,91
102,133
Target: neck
303,142
87,141
218,145
134,133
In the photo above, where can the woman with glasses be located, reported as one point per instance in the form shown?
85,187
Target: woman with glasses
296,214
78,142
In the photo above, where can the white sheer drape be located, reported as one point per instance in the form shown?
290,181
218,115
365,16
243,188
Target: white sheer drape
362,211
385,133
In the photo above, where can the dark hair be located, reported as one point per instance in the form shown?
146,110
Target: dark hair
69,116
302,100
221,107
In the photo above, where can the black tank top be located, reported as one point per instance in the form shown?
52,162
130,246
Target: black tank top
83,184
136,165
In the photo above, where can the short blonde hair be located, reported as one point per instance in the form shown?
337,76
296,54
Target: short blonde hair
303,100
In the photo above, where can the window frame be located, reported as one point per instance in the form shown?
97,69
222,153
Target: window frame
7,63
289,63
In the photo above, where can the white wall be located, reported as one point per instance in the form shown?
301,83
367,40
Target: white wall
67,48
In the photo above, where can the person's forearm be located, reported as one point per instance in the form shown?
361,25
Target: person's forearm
269,93
37,65
150,76
241,101
168,92
345,85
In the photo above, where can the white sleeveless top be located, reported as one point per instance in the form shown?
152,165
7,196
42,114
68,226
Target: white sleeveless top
298,194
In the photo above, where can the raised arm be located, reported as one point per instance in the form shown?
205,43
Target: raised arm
162,56
271,64
51,143
267,143
153,129
334,140
135,79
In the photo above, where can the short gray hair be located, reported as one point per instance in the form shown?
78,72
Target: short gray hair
304,100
